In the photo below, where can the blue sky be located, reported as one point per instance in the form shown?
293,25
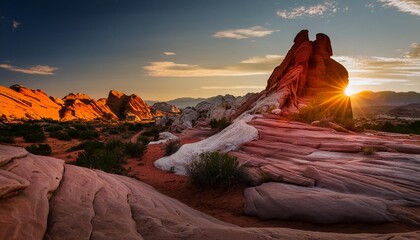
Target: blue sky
164,49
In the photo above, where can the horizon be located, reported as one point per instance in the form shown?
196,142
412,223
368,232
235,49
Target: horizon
180,50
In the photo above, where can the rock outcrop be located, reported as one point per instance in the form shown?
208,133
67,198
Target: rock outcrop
128,107
165,107
81,106
307,72
53,200
19,102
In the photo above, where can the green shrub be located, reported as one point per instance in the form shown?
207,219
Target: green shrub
39,149
87,146
60,135
134,149
34,137
22,129
53,128
172,147
220,124
7,139
214,169
143,139
83,134
103,156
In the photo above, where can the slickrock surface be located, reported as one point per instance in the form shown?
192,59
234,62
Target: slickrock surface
62,201
324,176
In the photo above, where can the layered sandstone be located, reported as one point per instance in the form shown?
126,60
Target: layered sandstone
307,72
128,107
53,200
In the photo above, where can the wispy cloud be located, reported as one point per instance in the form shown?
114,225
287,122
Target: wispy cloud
414,51
15,24
35,70
408,6
244,33
322,9
169,53
251,66
255,87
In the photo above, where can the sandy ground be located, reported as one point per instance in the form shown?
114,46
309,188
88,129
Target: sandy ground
227,205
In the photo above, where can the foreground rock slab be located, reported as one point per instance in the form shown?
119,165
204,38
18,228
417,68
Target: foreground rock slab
324,176
67,202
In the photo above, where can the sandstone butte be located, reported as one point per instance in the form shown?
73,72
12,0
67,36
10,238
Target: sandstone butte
307,72
18,102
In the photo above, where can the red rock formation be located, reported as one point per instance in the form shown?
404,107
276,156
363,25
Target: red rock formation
128,107
19,102
81,106
307,71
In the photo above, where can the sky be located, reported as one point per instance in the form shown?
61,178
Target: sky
166,49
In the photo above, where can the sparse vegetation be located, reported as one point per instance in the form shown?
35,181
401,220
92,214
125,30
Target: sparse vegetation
219,125
143,139
407,128
39,149
135,149
214,169
35,137
7,139
107,156
172,147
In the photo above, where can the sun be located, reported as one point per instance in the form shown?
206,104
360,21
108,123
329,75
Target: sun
349,91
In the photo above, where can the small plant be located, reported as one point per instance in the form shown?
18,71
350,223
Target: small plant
220,124
214,169
135,149
39,149
143,139
34,137
7,139
368,150
60,135
172,147
265,177
172,169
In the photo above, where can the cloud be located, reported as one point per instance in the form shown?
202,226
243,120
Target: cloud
322,9
15,24
252,66
169,53
414,51
35,70
408,6
232,87
244,33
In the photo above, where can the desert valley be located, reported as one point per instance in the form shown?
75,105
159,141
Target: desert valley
300,158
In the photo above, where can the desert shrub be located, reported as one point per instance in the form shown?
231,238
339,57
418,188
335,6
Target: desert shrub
83,134
87,146
102,159
34,137
103,156
368,150
53,128
22,129
7,139
39,149
135,127
60,135
172,147
214,169
153,133
135,149
143,139
220,124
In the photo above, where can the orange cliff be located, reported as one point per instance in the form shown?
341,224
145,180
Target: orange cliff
18,102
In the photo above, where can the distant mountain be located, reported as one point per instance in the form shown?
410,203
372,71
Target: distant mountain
371,104
19,102
385,98
180,102
411,110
